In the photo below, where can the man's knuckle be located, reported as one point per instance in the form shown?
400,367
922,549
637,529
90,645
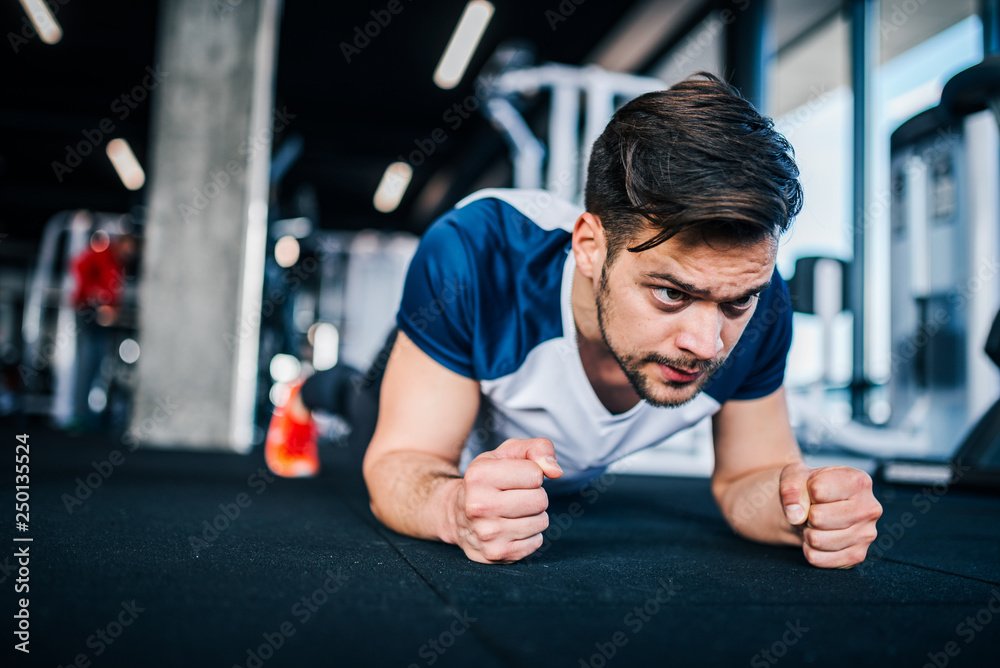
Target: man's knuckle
817,516
475,474
818,540
477,509
541,502
486,531
496,552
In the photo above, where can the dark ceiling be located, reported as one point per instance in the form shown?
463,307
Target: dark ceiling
353,118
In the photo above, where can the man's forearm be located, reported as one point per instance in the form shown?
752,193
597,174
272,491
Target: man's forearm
752,506
414,493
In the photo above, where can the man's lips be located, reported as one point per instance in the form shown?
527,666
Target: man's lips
678,375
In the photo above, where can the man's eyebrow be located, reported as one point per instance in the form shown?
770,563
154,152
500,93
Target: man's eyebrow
701,292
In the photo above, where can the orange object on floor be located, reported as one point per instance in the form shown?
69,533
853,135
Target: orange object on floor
290,449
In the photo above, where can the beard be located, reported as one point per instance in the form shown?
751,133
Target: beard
632,364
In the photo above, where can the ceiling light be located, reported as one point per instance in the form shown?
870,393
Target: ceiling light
393,185
45,23
128,167
463,43
286,251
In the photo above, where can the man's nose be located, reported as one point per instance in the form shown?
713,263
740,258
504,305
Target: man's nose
701,331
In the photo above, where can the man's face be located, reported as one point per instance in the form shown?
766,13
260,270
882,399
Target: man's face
672,314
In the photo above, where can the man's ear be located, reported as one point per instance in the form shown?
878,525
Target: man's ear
589,244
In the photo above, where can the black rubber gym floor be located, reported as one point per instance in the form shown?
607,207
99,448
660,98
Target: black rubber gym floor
155,558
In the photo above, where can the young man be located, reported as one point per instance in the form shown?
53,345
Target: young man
538,343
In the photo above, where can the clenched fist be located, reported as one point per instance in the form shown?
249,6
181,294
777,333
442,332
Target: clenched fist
500,507
833,509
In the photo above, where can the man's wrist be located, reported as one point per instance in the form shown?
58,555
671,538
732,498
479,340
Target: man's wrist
446,526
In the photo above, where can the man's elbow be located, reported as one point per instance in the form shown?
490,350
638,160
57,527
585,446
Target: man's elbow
720,492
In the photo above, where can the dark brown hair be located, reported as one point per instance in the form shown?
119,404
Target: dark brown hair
696,155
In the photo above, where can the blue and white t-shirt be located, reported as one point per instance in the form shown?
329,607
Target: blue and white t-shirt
487,295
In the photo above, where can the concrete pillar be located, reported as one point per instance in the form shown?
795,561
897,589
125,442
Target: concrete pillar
203,258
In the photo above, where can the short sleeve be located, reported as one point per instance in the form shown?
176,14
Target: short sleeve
771,325
437,309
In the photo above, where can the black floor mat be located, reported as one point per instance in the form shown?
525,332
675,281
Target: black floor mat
173,558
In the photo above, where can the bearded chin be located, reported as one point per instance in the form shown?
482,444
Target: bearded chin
631,365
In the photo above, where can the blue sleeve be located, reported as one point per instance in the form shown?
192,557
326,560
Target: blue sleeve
437,309
772,326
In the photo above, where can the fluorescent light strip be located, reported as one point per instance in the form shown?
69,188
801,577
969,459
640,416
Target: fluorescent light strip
45,23
393,185
128,168
463,43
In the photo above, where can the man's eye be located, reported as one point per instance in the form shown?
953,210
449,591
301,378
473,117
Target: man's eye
744,303
669,295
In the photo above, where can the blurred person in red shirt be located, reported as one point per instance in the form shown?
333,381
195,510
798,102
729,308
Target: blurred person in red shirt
99,271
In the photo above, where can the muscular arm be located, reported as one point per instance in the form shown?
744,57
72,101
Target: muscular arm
753,444
496,511
769,495
411,466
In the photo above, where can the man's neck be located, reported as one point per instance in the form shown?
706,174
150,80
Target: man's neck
605,375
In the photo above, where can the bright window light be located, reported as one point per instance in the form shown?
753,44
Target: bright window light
46,26
286,251
284,368
326,346
128,168
279,393
97,399
393,185
129,351
463,43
